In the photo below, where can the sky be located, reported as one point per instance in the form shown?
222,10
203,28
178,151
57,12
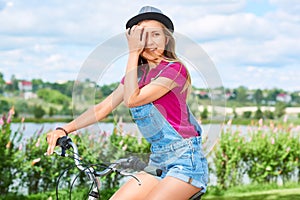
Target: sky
251,43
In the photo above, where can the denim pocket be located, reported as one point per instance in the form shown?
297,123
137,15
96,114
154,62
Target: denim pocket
183,161
150,124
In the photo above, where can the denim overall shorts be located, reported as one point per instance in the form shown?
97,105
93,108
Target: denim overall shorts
177,157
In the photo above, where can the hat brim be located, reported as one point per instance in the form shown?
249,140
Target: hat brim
151,16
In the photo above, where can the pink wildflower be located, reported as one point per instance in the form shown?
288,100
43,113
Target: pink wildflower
260,122
285,118
272,140
20,147
40,131
37,144
288,149
10,114
1,121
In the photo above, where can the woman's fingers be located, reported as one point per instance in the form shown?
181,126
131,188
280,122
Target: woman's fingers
136,38
51,139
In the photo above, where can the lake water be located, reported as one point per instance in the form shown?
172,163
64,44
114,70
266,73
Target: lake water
210,131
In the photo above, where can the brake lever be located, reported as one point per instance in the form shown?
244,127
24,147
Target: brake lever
124,173
63,154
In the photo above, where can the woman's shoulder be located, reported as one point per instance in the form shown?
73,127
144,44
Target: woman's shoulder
173,64
178,66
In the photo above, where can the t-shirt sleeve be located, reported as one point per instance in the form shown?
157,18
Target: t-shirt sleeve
122,80
175,71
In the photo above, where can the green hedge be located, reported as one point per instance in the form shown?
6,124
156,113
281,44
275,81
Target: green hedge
266,153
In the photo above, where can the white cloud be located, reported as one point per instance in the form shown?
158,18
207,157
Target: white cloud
51,39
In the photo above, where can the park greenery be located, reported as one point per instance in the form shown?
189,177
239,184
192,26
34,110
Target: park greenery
268,154
61,101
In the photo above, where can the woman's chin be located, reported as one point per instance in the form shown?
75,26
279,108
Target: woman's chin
152,57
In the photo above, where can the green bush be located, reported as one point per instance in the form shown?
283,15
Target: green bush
247,114
38,112
266,154
53,96
258,114
9,153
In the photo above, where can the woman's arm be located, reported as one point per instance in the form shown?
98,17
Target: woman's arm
90,116
97,112
150,92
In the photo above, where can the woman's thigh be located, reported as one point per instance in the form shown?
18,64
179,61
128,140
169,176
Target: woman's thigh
172,188
131,190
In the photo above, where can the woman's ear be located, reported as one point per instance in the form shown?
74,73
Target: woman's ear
167,40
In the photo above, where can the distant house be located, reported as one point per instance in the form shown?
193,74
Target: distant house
283,97
25,88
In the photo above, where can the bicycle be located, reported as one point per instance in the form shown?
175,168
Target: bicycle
119,166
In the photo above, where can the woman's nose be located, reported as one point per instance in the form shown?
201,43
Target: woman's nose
149,40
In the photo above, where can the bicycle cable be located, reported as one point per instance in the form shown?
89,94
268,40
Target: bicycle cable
87,167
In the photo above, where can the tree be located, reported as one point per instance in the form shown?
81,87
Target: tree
2,83
258,114
52,96
295,97
272,94
247,114
14,84
37,84
241,94
258,96
38,112
269,114
4,106
204,114
52,111
279,109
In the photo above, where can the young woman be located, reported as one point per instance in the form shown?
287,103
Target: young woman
155,88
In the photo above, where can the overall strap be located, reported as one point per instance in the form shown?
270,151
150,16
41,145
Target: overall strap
193,121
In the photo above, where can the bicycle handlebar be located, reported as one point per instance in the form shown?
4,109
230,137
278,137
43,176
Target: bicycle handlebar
124,163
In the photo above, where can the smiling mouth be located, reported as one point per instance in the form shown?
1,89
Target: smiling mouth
150,49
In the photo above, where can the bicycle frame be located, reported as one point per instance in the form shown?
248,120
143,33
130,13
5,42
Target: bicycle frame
125,163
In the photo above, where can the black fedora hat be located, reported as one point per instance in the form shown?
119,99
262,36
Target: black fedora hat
150,13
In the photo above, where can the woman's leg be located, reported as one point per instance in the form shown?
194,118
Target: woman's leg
172,188
131,190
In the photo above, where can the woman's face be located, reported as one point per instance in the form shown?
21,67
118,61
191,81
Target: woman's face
156,40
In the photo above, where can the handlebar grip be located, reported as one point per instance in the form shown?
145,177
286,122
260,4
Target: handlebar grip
138,165
153,170
63,142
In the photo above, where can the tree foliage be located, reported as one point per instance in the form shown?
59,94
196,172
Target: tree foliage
53,96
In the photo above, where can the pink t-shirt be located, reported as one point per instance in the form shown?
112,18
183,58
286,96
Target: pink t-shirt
173,104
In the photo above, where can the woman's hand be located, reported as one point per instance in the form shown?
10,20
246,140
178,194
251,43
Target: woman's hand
136,37
52,138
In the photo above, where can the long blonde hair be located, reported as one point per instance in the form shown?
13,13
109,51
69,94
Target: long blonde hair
171,56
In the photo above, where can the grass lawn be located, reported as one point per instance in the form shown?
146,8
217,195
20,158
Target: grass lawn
278,194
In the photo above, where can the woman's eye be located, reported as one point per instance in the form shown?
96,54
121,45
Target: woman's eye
156,34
